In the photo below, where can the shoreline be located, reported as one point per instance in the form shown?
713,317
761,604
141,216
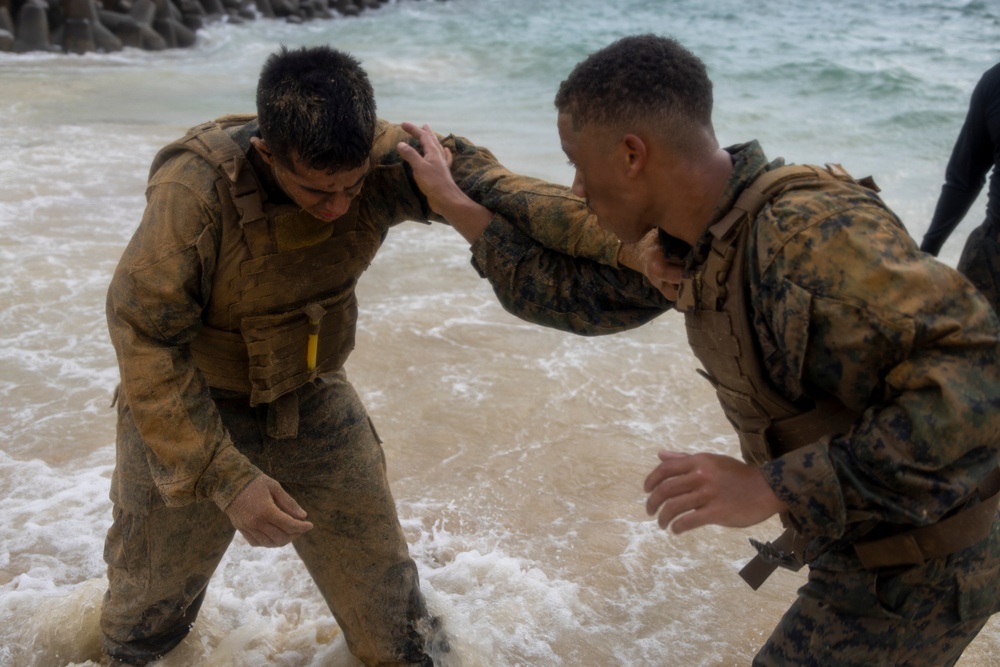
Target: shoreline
106,26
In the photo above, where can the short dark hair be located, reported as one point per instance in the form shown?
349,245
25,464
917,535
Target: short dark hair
641,80
316,104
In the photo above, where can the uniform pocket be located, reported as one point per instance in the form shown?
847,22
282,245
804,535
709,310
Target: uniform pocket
278,344
126,549
132,486
978,593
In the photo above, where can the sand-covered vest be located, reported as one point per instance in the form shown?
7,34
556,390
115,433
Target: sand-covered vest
720,332
281,318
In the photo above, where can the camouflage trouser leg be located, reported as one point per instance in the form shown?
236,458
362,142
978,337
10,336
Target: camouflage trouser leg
980,262
159,559
921,616
356,553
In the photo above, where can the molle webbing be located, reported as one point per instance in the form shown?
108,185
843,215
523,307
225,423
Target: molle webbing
296,309
217,147
217,353
721,335
224,357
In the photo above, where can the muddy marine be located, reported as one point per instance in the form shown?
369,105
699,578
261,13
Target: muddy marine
232,311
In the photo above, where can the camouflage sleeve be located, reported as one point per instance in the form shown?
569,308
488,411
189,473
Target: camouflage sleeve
858,312
154,307
549,213
556,290
390,193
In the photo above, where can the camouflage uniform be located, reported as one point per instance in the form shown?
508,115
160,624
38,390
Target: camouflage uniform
842,303
186,447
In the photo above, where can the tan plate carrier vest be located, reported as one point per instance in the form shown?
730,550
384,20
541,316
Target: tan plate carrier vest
296,310
721,335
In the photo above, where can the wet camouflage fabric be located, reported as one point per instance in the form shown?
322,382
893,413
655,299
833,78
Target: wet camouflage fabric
165,277
161,558
542,286
921,616
550,214
184,453
545,287
843,302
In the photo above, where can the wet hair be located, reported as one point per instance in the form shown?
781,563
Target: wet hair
316,104
643,81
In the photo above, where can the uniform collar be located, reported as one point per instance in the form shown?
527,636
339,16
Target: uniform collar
749,162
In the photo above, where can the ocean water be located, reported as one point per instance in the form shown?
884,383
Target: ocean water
516,454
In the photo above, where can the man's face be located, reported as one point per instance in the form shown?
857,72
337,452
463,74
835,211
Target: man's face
601,178
323,194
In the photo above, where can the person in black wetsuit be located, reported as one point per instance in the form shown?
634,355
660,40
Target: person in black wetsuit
976,151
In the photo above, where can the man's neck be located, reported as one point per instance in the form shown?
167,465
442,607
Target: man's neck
689,200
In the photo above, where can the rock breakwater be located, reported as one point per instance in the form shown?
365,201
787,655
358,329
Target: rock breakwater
82,26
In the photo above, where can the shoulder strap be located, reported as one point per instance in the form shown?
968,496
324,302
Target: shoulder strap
214,144
754,197
760,192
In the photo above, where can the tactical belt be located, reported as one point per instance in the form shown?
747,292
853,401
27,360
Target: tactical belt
911,547
955,533
786,552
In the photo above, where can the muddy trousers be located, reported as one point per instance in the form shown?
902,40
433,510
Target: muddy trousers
160,558
920,616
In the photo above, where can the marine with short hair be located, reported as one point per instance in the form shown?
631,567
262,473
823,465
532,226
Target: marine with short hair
861,375
804,295
232,311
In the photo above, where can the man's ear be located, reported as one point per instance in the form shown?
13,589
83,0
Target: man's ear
635,153
262,149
